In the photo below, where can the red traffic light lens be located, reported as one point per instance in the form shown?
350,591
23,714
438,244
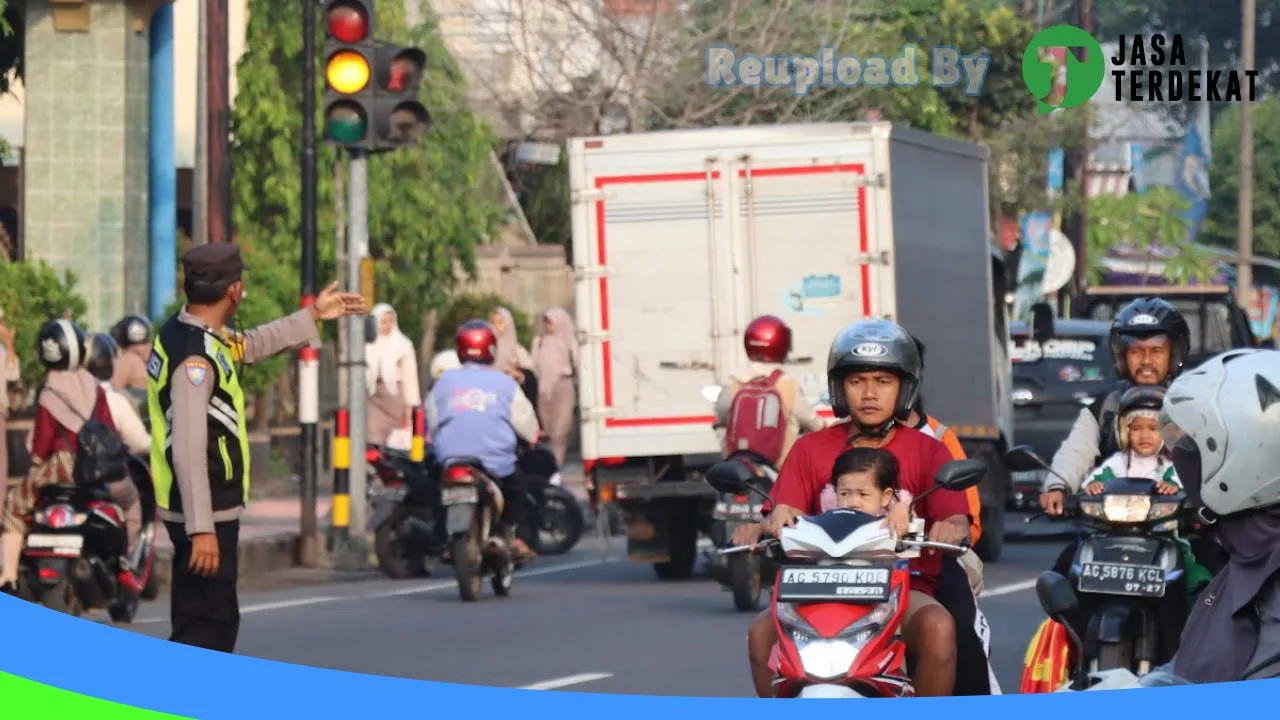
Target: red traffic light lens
347,22
403,73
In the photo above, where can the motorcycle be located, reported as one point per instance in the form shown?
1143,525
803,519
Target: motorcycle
841,594
405,515
558,518
71,560
1127,559
479,544
744,574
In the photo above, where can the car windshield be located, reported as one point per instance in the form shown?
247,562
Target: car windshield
1063,359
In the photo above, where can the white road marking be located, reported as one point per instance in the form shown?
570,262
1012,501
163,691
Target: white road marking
1009,589
429,587
566,681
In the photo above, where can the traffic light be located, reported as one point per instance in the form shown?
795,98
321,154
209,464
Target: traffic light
398,117
348,70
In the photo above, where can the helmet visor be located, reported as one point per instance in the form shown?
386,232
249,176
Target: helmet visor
1186,457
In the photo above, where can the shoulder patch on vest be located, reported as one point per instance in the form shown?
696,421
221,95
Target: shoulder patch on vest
196,371
153,366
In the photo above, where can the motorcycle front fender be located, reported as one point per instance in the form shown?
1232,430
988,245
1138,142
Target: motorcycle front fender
828,691
1116,623
382,511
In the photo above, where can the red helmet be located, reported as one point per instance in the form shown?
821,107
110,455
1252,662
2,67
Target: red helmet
767,339
476,342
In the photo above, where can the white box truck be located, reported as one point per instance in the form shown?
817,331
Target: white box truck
680,238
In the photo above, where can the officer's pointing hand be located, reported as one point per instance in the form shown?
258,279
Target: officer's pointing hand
332,304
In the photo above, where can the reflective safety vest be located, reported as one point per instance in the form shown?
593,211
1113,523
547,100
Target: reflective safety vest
936,430
228,438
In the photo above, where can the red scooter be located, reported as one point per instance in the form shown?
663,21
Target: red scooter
841,593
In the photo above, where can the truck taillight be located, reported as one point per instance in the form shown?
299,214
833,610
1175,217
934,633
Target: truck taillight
457,475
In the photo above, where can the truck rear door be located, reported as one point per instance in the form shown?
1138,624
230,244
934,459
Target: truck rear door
649,244
807,246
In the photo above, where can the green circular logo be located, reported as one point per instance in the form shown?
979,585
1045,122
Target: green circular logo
1083,78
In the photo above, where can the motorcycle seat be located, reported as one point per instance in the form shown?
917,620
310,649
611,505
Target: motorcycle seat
466,460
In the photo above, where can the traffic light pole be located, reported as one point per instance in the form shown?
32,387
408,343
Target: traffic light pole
355,554
309,357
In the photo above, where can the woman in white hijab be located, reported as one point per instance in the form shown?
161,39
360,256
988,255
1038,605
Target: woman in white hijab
392,367
555,357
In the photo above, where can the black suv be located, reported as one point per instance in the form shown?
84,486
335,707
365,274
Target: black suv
1053,381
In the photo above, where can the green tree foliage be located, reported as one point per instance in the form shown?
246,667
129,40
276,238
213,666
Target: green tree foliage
31,294
1138,221
428,205
1224,178
259,307
479,307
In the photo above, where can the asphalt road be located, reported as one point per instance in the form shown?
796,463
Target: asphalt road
586,621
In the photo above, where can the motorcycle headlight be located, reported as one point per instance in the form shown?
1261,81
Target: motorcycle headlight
1162,509
1126,508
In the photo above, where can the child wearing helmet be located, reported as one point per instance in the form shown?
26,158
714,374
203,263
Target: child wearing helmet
1143,454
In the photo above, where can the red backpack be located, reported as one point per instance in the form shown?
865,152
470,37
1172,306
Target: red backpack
757,419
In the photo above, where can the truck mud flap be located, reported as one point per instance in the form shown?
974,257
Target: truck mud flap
656,514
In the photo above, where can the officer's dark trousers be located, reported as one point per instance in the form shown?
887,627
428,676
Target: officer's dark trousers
516,512
205,612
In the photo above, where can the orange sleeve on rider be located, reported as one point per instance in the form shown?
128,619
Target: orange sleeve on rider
972,495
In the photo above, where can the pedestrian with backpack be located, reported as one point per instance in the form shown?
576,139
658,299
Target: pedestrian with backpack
763,411
74,441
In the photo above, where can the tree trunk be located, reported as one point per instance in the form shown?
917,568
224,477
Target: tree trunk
427,346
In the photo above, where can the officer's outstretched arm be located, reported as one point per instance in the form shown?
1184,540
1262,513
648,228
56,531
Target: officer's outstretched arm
287,333
192,388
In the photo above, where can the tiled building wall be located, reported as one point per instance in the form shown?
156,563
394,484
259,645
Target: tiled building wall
86,154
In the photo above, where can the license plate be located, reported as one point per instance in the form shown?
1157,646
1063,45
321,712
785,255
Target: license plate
737,511
69,544
837,583
1121,579
459,495
1029,477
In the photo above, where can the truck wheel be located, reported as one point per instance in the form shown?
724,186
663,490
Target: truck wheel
683,552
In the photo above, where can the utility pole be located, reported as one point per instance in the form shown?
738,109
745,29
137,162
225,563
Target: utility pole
200,173
1084,154
309,357
356,552
218,88
1244,215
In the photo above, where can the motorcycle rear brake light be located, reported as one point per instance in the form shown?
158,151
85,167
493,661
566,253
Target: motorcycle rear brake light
48,573
60,516
740,498
372,456
458,474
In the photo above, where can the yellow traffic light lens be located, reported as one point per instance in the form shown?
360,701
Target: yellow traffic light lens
347,72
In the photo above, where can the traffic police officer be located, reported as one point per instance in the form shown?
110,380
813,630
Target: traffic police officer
200,461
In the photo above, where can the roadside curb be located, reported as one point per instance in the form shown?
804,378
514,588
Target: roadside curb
257,556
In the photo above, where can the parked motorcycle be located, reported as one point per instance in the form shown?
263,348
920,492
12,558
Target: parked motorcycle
406,514
841,593
71,561
744,574
1128,558
558,518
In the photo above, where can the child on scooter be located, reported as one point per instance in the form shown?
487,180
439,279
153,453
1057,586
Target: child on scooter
866,480
1143,455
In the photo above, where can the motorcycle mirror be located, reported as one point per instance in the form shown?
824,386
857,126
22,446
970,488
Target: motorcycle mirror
1023,459
712,393
961,474
1056,595
724,479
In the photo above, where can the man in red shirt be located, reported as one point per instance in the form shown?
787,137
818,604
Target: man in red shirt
873,376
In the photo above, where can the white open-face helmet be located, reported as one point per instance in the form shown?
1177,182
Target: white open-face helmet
1225,415
444,360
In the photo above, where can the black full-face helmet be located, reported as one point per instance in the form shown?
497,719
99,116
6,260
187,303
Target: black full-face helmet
874,344
60,345
1147,318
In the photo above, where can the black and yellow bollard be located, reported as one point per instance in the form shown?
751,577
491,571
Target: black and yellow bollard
342,478
418,445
